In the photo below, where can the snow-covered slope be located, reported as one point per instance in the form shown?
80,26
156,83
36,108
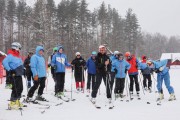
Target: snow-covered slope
82,109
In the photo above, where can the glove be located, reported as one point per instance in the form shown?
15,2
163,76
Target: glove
72,67
35,78
12,72
157,71
49,65
115,70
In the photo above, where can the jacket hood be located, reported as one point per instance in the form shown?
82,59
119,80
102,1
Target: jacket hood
38,48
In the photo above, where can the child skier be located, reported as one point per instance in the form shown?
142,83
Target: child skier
14,65
79,66
162,74
120,66
91,69
59,62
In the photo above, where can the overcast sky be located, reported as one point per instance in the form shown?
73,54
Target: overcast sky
161,16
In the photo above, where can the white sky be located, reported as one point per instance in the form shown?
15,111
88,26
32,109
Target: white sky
161,16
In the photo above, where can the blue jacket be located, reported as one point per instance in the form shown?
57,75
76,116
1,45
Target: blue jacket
162,63
113,60
37,63
91,66
59,61
13,63
145,69
121,66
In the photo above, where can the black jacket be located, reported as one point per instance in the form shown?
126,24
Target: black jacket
27,66
100,63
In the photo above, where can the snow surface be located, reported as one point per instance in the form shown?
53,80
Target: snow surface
82,109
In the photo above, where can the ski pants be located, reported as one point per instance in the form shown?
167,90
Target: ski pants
145,78
166,78
134,79
91,78
17,88
112,79
99,77
119,85
39,83
60,80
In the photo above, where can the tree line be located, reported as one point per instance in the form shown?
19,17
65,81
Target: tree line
73,25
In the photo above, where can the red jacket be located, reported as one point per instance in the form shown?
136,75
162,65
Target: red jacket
133,62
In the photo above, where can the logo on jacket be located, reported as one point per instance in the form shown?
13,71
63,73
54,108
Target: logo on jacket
61,60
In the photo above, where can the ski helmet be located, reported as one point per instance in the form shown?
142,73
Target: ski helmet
127,54
116,52
16,46
78,53
55,49
94,53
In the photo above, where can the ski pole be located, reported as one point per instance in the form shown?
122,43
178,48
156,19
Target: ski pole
82,81
141,83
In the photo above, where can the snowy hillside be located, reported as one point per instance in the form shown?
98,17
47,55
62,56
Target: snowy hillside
82,108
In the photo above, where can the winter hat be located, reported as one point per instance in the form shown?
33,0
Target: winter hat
55,49
94,53
116,52
78,53
127,54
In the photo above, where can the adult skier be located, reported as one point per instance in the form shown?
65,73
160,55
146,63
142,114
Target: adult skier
91,69
14,65
113,59
121,67
28,71
79,66
133,72
38,68
59,62
160,67
103,69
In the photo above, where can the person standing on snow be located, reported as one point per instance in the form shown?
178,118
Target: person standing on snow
113,59
103,67
133,72
28,71
38,68
14,65
121,67
91,69
160,67
59,63
79,67
146,72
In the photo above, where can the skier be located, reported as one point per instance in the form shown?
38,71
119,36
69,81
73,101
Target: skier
160,67
121,67
91,69
59,62
28,71
113,59
79,67
38,68
55,49
14,65
133,72
146,72
103,69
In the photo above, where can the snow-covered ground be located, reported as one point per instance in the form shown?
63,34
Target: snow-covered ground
82,109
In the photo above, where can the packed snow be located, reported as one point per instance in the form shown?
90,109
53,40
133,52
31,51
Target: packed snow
83,109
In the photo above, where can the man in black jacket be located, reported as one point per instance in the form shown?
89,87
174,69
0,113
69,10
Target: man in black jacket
28,71
103,67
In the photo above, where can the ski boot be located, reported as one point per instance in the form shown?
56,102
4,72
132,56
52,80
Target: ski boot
172,97
62,96
12,105
8,86
150,89
93,100
117,95
40,98
19,104
121,95
160,97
